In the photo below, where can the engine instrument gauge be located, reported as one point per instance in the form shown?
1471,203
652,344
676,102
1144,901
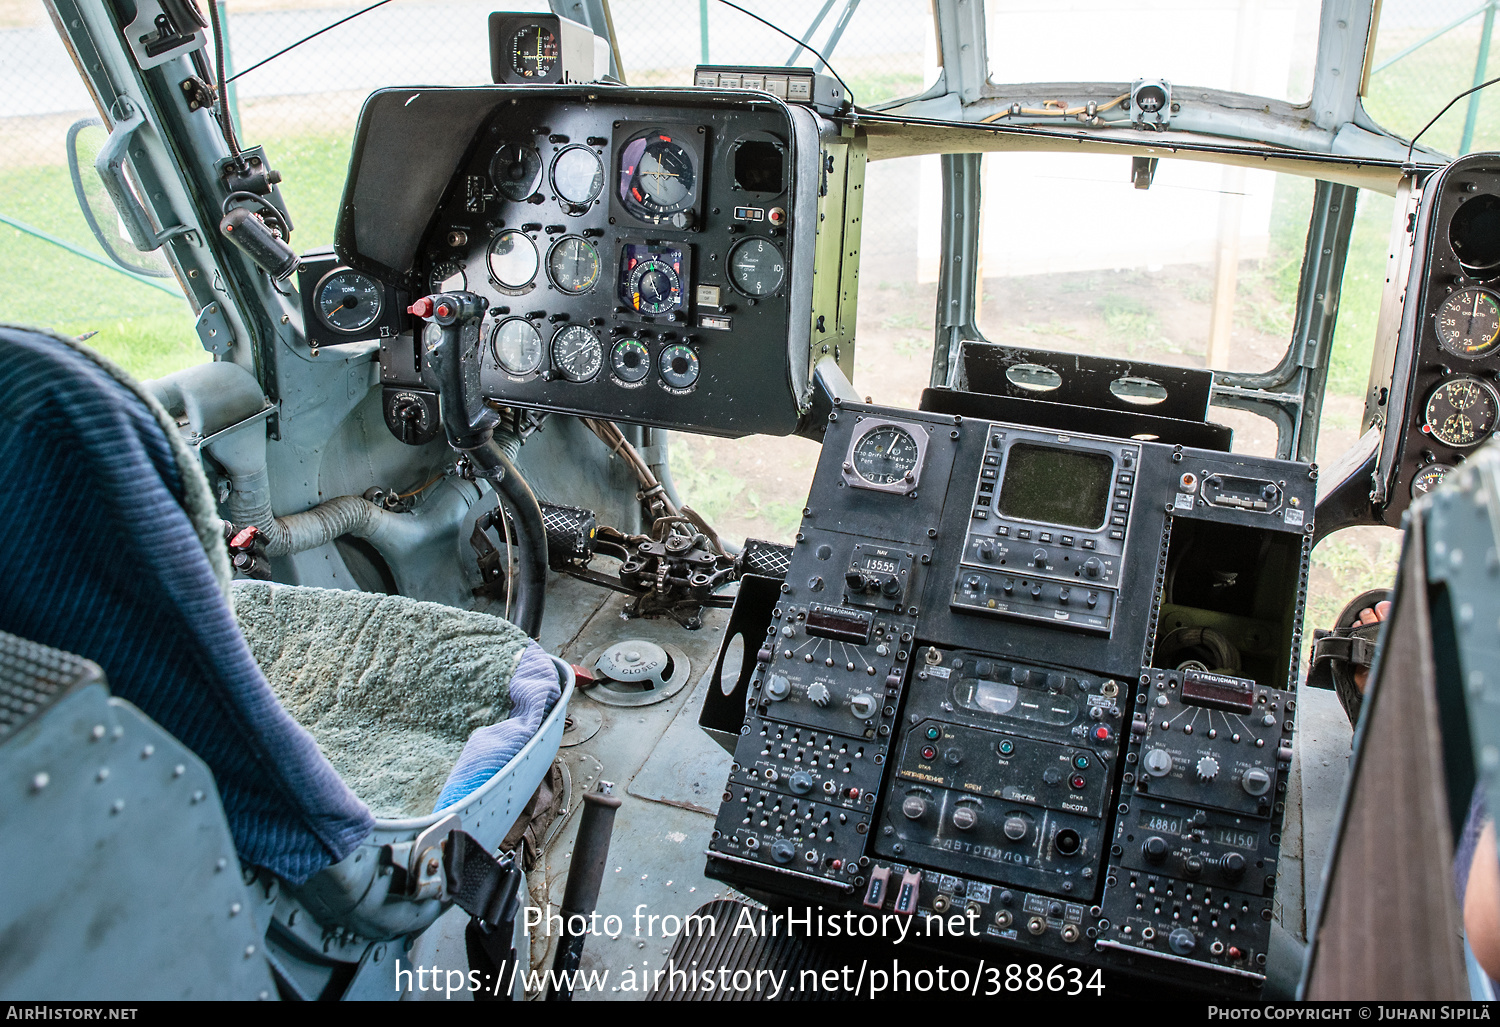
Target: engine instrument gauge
533,52
657,176
651,278
516,345
576,352
679,366
756,267
577,176
1462,412
447,276
513,260
1427,479
347,301
631,361
886,455
573,264
1468,322
516,170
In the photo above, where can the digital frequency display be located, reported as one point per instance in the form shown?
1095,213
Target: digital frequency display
1056,486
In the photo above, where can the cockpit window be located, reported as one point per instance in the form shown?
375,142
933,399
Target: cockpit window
1263,47
1424,53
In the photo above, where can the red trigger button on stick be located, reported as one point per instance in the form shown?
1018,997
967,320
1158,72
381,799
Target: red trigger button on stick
422,308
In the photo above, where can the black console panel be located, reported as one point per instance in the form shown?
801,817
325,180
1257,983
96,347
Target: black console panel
646,256
1040,677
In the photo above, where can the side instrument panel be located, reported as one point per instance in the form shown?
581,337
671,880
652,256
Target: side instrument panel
646,256
1043,679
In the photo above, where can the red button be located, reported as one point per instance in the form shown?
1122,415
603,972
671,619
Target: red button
929,753
1102,733
421,308
1078,782
443,310
854,793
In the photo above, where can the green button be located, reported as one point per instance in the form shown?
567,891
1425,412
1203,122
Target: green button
1007,747
933,732
1081,762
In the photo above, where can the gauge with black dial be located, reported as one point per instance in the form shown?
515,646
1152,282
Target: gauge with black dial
885,455
576,353
513,260
516,170
679,366
1468,322
516,345
1427,479
533,52
657,176
1462,412
447,276
653,283
348,301
577,175
756,267
630,360
573,264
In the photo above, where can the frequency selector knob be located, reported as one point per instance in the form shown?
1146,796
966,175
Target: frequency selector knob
1155,849
1208,769
817,693
1233,866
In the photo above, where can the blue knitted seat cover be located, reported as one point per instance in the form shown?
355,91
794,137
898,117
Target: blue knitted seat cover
97,557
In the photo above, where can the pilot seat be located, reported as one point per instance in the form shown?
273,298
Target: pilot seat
444,721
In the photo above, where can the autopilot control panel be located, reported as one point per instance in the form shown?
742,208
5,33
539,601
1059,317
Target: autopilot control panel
1044,679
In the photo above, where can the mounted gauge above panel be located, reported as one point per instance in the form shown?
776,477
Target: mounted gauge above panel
340,304
659,175
529,47
886,456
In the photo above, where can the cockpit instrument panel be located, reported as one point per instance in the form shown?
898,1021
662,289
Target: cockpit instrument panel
610,231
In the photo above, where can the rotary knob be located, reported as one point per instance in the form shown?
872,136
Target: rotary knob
1155,849
778,687
817,694
1233,866
1182,941
1158,762
1015,828
965,817
1039,557
801,782
783,851
1256,781
986,550
892,587
1092,567
863,706
1208,769
913,806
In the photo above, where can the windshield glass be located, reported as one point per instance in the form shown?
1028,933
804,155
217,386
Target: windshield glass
1264,47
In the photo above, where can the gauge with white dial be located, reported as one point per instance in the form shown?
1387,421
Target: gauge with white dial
679,366
1427,479
516,345
573,264
447,276
513,260
1462,412
885,455
348,301
630,360
516,170
756,267
577,175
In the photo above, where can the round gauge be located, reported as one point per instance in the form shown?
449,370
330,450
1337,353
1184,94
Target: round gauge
533,52
347,301
656,176
516,345
576,353
885,455
1462,412
679,366
573,264
653,287
630,360
516,170
577,175
1468,322
447,276
1427,479
513,260
756,267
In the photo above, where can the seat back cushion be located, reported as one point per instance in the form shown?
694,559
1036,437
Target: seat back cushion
99,557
